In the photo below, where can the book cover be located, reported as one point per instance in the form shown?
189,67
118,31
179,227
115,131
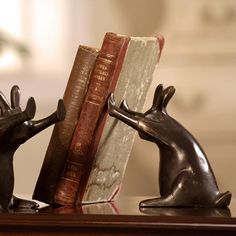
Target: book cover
63,131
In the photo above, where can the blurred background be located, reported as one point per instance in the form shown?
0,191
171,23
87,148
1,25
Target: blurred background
38,43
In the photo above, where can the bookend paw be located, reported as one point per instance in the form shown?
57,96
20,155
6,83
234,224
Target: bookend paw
186,178
16,127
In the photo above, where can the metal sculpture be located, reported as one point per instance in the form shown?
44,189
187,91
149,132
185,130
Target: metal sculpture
186,178
16,127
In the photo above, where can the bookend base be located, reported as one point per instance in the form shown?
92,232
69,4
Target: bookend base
187,211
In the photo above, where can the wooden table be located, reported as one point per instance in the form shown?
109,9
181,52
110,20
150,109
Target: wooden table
123,217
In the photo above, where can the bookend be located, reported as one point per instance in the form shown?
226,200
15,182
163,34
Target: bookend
16,127
185,175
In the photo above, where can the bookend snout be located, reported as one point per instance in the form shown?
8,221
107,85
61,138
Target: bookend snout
16,127
186,178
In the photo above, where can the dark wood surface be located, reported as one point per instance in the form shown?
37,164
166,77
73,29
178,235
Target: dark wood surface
123,217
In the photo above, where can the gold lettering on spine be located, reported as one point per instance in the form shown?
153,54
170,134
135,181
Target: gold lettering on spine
102,66
78,148
101,72
71,171
100,77
84,71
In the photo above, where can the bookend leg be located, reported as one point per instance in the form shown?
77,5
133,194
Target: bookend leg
178,199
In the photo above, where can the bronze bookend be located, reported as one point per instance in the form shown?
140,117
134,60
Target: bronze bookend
185,175
16,127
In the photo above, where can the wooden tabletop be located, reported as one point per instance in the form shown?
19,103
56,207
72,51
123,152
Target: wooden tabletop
122,217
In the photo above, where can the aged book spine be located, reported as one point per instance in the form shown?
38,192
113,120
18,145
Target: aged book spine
93,105
63,131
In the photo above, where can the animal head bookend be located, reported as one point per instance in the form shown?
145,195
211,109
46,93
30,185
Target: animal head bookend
185,175
16,127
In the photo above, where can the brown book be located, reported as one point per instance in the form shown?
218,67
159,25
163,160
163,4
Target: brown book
95,100
113,139
63,131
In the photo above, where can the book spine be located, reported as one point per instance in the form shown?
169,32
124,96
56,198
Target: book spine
63,131
93,105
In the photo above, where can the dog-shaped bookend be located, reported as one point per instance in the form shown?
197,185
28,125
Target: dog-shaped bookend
185,175
16,127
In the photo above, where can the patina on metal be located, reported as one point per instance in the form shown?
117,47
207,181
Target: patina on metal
16,127
186,178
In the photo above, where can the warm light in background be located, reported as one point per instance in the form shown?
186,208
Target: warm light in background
11,26
10,17
9,61
43,28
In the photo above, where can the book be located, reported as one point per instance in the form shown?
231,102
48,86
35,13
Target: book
63,131
113,139
103,77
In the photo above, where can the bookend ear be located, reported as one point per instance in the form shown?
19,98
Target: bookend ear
167,95
15,97
158,98
162,97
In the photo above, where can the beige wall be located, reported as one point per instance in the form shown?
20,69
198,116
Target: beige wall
199,59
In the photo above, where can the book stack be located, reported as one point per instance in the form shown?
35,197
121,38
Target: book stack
88,152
